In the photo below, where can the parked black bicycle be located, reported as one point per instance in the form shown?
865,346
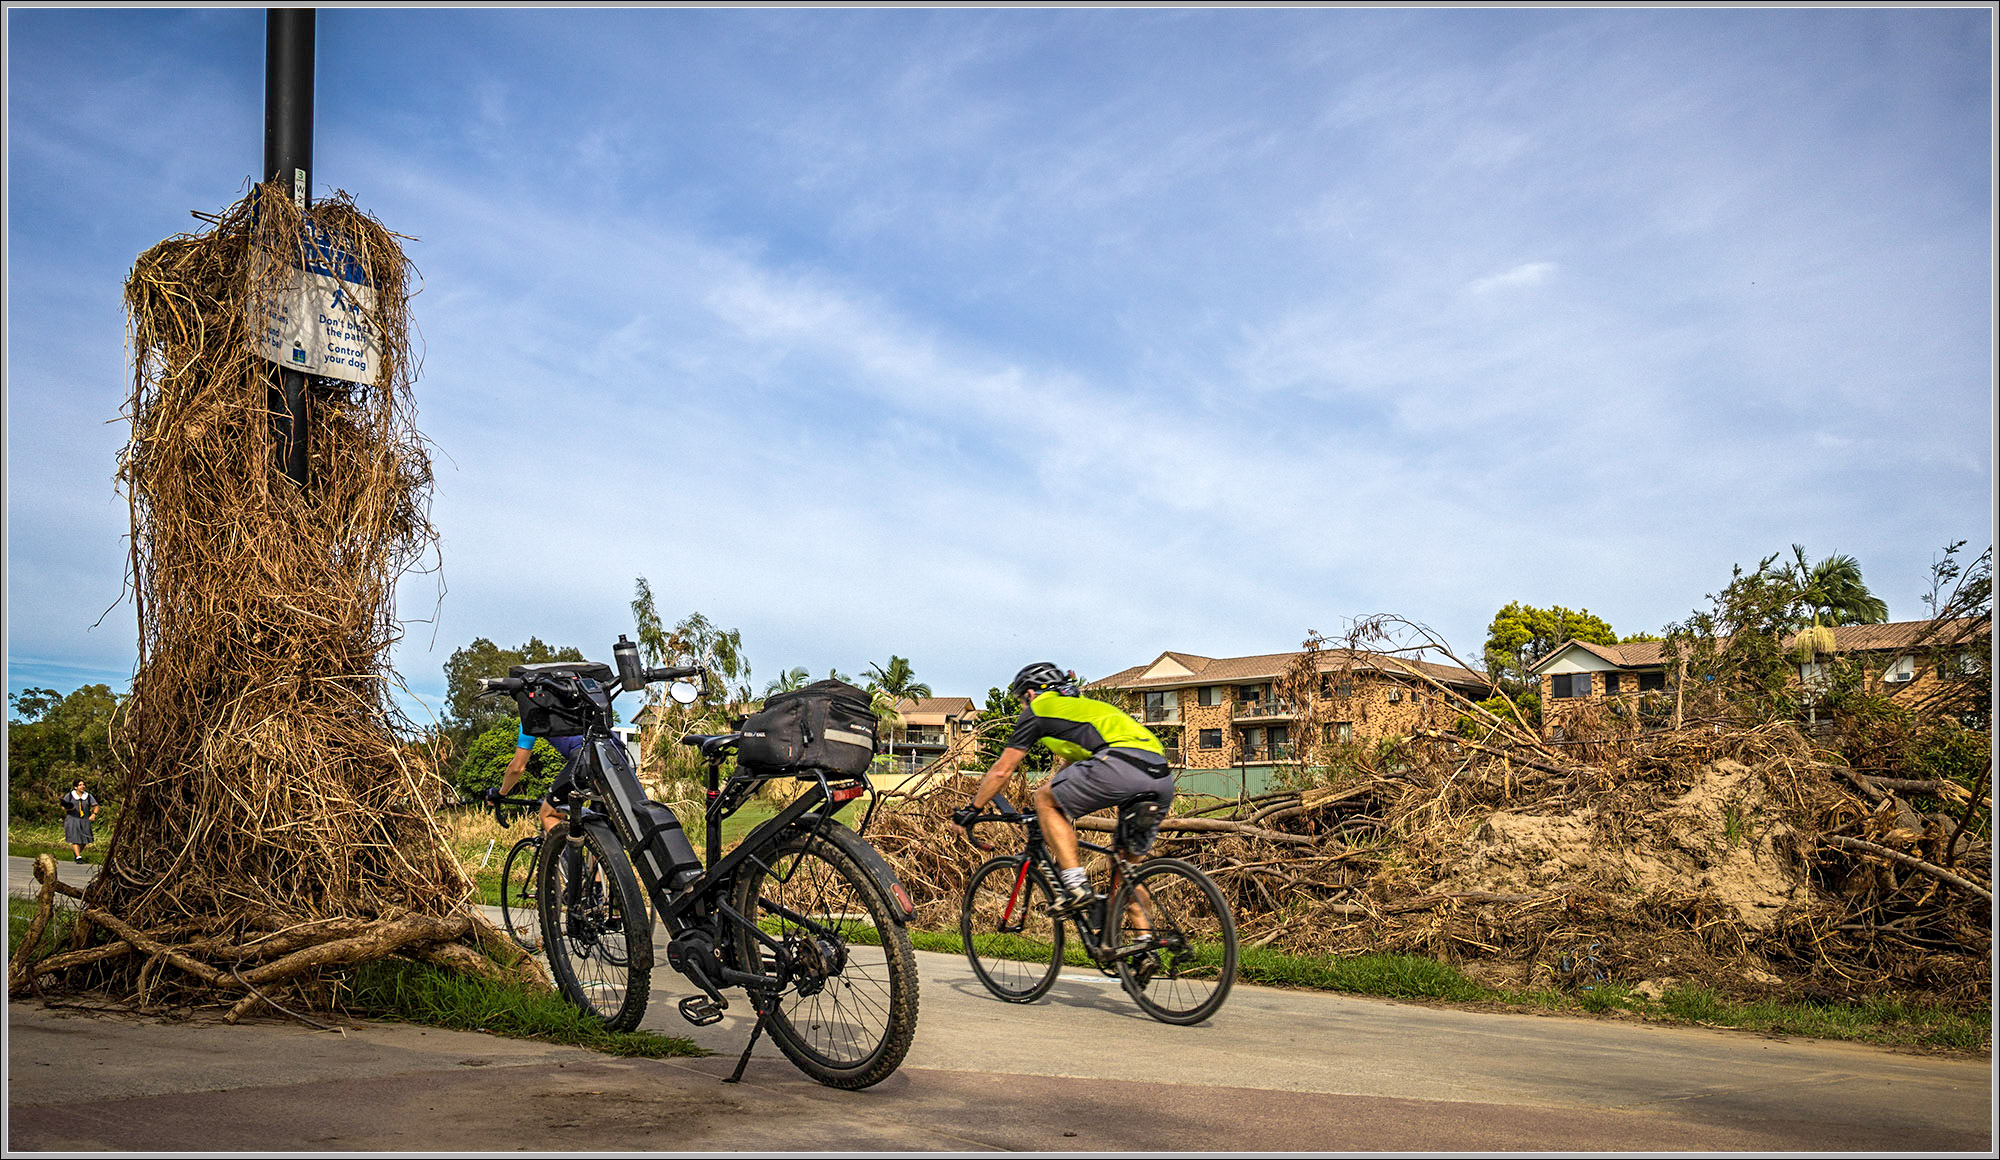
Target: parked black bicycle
1161,927
803,915
520,874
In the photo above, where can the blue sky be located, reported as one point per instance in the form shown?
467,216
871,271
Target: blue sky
988,336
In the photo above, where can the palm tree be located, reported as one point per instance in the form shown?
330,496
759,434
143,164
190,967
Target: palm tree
890,684
1834,592
788,681
1831,592
897,679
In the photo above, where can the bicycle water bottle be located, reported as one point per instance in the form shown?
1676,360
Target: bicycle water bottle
630,676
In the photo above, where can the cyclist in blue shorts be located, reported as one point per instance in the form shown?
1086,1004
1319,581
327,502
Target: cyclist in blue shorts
559,790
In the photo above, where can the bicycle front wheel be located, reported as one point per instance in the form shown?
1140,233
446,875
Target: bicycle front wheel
518,916
841,967
595,925
1175,941
1015,947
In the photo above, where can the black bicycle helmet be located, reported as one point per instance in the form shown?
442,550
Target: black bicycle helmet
1038,677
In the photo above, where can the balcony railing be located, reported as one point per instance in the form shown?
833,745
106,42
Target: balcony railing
1274,707
1282,751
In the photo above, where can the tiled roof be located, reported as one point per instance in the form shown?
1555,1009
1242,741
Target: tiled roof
1271,666
1637,655
1901,634
934,708
1846,638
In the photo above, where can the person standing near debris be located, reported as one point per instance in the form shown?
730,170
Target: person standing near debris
1110,758
80,808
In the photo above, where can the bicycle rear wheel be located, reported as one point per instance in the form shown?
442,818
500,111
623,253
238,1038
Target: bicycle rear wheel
1176,941
1015,947
595,925
518,916
845,976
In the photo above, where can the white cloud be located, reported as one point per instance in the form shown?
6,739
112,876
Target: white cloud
1523,275
981,336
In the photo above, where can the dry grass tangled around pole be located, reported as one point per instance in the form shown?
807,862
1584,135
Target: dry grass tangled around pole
275,828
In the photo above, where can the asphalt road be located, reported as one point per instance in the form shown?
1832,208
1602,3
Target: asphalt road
1081,1070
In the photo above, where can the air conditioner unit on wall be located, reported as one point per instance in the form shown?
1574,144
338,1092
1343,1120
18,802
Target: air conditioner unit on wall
1897,678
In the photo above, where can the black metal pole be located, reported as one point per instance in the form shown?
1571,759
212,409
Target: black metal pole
288,141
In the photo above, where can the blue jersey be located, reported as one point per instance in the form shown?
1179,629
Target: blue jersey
567,746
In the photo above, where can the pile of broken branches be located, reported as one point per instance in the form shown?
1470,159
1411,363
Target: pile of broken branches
1749,859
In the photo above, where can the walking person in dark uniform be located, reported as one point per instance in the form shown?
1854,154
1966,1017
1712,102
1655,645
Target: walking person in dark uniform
79,810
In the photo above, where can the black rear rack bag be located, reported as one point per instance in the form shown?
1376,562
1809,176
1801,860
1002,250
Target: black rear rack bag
547,712
828,725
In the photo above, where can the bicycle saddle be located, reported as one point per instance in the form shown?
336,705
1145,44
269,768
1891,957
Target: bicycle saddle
711,743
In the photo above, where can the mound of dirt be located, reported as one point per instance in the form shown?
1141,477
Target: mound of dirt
1725,838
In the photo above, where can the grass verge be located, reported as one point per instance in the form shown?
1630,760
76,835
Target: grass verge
28,839
401,991
396,990
1888,1023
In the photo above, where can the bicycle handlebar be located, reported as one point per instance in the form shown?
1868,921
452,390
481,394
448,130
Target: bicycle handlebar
1006,813
661,673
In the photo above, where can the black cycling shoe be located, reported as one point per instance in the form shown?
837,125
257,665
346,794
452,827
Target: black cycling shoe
1070,902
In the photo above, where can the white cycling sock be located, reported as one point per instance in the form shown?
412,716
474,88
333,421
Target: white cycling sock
1076,880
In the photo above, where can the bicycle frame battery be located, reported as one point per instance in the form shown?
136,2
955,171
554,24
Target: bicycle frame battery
659,848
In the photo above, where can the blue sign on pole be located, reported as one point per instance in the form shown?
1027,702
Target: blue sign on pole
316,310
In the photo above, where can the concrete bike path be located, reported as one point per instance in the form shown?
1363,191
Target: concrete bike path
1081,1070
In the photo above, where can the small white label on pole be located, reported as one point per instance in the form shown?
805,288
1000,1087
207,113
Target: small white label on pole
316,318
299,189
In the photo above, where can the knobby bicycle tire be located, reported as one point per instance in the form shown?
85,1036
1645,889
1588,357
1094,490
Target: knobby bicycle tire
599,943
1008,915
519,916
1188,971
846,1010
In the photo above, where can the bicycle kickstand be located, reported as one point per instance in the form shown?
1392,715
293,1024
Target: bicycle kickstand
756,1030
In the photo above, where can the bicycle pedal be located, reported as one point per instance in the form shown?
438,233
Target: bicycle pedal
701,1010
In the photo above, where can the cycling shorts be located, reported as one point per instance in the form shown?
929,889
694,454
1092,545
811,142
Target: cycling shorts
1109,777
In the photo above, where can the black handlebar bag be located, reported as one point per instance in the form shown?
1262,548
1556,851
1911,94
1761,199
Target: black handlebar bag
828,725
564,706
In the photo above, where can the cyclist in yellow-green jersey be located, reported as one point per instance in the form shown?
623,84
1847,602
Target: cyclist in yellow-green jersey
1111,758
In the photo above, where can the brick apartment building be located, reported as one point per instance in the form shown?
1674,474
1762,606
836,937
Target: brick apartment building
1228,726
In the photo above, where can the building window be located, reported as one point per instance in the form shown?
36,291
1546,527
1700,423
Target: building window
1343,689
1250,692
1610,683
1648,682
1211,739
1901,672
1341,732
1210,695
1569,685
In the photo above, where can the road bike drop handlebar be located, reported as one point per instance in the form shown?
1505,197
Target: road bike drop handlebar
1006,813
